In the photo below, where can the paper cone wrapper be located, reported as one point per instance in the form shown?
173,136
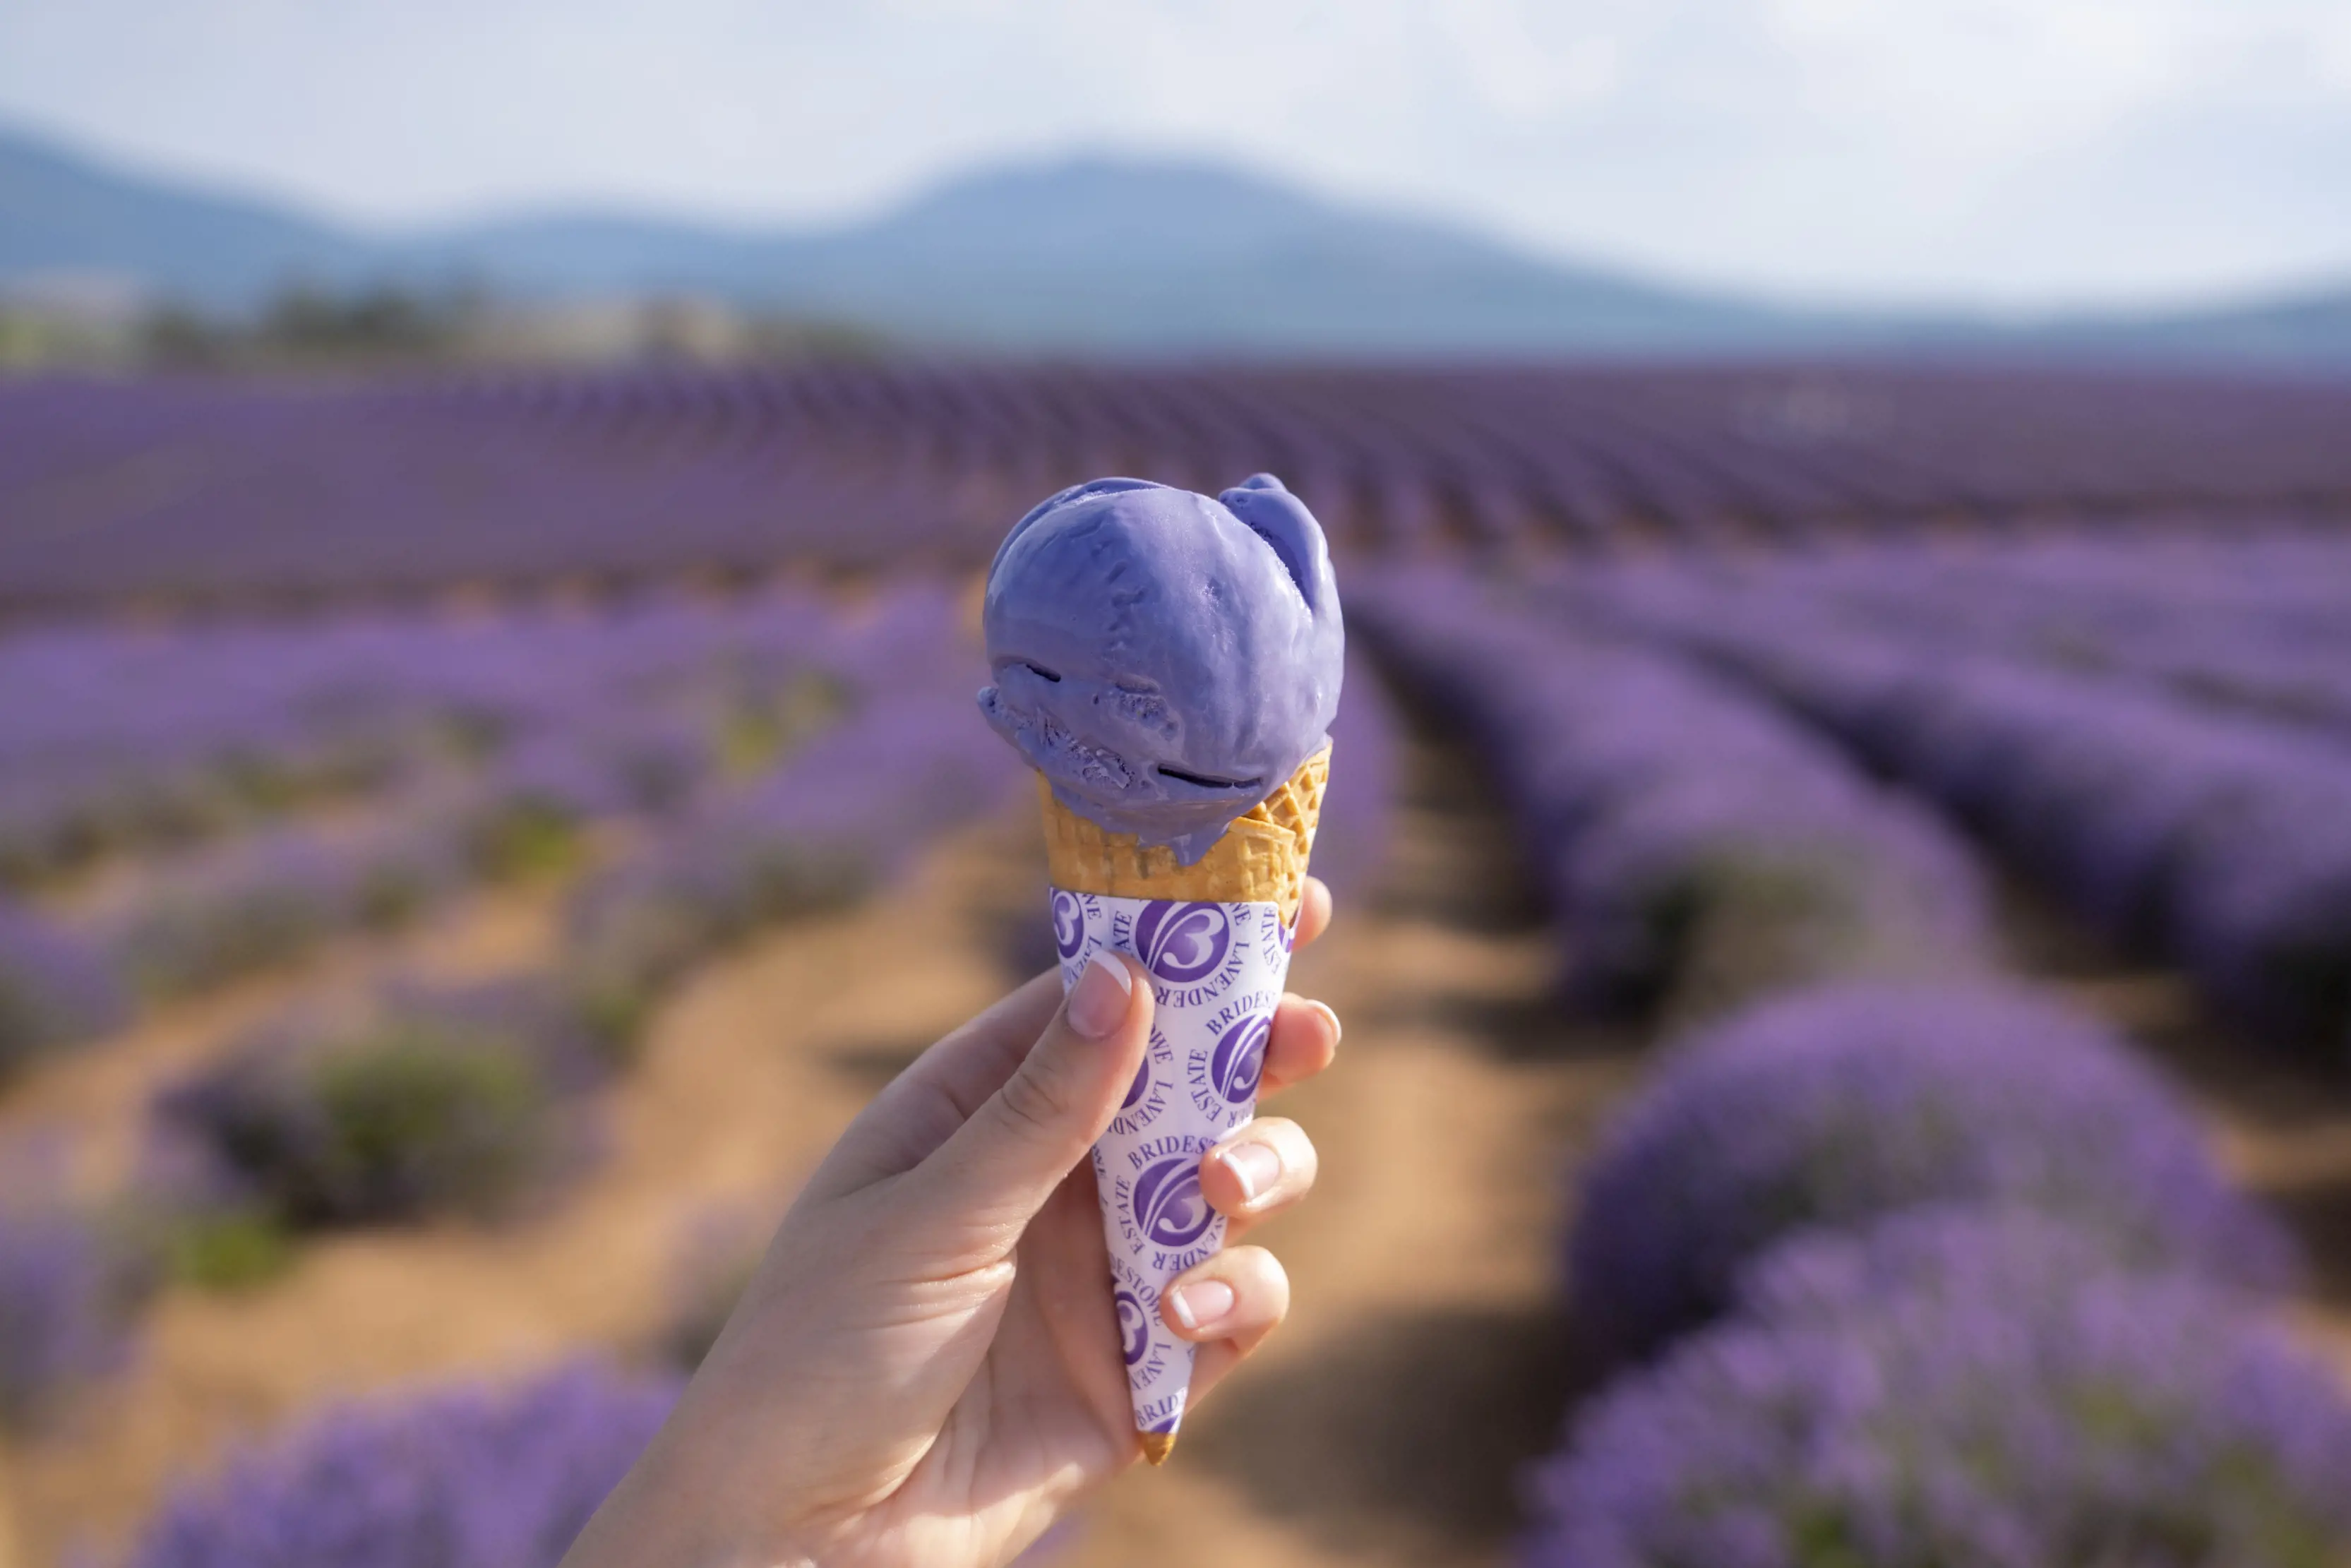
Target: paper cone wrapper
1215,938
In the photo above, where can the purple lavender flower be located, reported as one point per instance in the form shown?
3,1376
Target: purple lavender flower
310,488
1843,1104
54,989
1689,839
117,739
1984,1253
1961,1388
242,907
2270,932
464,1477
659,761
66,1295
2220,838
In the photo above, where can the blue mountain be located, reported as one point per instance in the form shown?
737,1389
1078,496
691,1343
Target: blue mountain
61,212
1136,255
1087,254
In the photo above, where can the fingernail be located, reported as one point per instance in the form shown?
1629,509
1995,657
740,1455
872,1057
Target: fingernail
1255,1167
1330,1017
1098,1001
1200,1303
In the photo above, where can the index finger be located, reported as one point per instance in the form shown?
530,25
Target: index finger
922,1107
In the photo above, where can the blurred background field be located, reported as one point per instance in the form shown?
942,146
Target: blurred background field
1841,820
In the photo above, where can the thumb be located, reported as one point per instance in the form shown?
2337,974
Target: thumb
979,1190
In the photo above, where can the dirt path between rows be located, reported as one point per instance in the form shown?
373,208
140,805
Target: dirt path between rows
1421,1366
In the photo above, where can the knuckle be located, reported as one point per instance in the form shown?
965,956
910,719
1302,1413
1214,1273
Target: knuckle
1257,1276
1034,1100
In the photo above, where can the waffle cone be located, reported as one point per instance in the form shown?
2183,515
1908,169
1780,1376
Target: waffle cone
1261,859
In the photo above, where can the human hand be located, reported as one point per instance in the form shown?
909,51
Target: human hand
927,1368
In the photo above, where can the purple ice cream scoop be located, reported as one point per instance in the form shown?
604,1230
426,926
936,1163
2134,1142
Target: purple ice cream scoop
1165,659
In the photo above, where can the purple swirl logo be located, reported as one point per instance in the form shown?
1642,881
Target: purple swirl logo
1141,1081
1181,943
1168,1205
1069,923
1240,1057
1133,1325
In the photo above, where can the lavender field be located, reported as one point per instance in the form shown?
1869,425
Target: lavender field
200,489
1845,881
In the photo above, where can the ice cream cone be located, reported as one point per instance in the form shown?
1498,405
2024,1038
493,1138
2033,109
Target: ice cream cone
1215,937
1150,649
1261,859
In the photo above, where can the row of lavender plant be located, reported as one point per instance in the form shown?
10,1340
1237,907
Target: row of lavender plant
1688,838
628,717
2219,839
1907,1275
121,737
466,1475
1897,1271
54,991
270,898
179,924
71,1282
522,476
1904,1274
2257,622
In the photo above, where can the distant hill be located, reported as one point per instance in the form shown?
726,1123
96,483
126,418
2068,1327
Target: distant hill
2308,328
1097,255
60,212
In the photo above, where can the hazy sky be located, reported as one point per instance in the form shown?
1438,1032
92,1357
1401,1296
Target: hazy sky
2020,151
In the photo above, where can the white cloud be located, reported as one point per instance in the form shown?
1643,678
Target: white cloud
1519,64
2016,150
